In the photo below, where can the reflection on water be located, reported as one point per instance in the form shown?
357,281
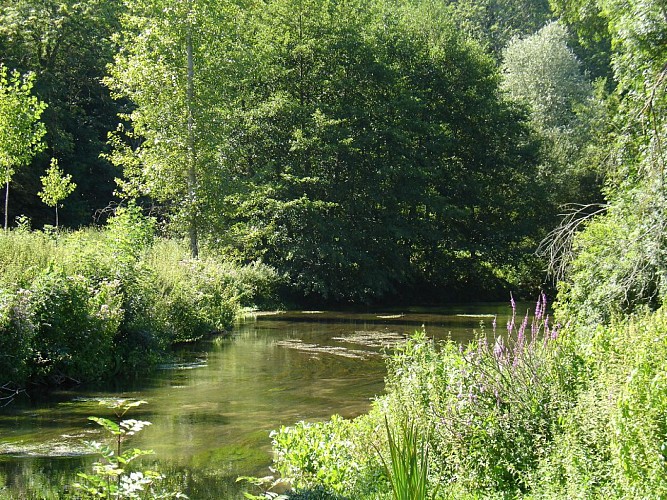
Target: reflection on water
212,409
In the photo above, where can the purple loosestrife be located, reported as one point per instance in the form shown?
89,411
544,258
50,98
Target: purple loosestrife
510,323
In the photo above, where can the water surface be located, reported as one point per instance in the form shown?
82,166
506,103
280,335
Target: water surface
212,409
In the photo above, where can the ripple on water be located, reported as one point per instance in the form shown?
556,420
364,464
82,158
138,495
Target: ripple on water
183,366
68,445
300,345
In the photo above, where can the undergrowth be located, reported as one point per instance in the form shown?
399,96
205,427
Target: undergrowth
538,412
88,304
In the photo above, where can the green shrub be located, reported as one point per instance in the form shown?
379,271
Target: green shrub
619,261
16,337
94,302
116,474
335,457
614,440
316,453
492,407
75,321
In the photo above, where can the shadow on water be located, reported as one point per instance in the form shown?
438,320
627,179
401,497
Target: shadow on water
212,409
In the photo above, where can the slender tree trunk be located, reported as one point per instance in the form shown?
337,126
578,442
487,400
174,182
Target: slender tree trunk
192,174
7,205
56,216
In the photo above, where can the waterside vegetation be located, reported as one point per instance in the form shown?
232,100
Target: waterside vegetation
577,411
89,304
469,126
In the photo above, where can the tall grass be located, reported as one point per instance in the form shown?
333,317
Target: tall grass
86,304
407,467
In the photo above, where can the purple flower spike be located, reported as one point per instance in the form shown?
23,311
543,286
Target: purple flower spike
546,326
538,308
524,325
499,348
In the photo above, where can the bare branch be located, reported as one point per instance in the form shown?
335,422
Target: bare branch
556,247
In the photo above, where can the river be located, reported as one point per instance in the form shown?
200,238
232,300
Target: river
212,409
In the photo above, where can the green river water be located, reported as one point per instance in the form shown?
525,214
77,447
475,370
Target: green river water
213,409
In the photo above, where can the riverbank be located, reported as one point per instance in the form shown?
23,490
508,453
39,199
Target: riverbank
577,412
86,305
213,408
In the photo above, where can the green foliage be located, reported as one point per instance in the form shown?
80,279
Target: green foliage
16,336
356,192
56,186
112,475
613,439
619,265
495,22
92,303
76,321
334,458
66,44
494,405
316,453
483,417
541,72
21,132
618,260
130,234
407,468
23,256
176,64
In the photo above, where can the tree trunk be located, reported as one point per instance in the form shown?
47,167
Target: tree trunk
6,205
56,216
192,174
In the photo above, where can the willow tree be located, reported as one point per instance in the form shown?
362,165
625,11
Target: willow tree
542,72
171,66
21,132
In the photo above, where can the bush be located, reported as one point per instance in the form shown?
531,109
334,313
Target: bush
16,337
334,458
614,440
75,321
492,407
91,303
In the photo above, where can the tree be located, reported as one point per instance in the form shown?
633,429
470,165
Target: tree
21,132
67,45
495,22
56,186
176,65
619,260
417,173
543,73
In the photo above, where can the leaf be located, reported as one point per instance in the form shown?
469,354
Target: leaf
109,425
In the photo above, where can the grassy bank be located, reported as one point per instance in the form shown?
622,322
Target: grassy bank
576,413
85,305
